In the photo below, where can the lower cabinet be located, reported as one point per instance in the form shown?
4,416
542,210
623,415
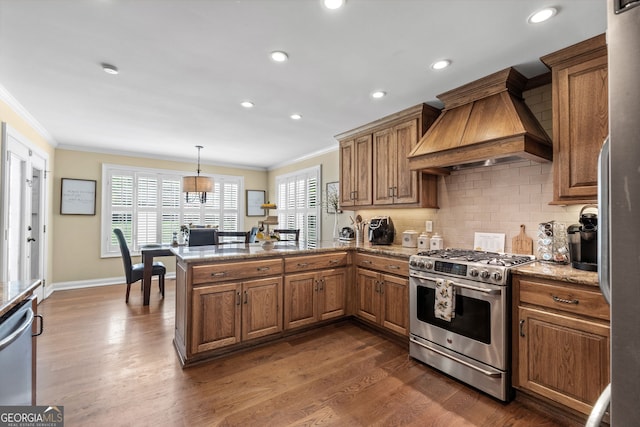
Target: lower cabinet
561,342
315,288
383,299
229,313
315,296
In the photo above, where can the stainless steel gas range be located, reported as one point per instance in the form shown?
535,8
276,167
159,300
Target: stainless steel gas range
472,344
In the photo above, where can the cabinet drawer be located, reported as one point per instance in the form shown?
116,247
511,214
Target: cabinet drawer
225,272
386,264
585,302
315,262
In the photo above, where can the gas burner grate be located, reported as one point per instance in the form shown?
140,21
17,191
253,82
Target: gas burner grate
482,257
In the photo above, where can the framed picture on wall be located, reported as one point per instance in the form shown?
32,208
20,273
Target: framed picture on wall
77,196
255,199
333,197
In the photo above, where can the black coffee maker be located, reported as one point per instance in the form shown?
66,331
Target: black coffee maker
583,241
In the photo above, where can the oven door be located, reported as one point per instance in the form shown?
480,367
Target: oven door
479,328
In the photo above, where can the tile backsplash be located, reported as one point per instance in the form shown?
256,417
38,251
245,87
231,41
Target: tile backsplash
495,199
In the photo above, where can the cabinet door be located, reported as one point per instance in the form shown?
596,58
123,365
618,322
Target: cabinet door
332,294
563,358
215,316
368,300
405,180
347,172
582,122
384,162
394,303
261,307
300,296
364,175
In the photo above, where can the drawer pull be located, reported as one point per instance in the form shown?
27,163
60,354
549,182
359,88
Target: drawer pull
302,264
219,274
565,301
263,268
366,261
334,261
393,267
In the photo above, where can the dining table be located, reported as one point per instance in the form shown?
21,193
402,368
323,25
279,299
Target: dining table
149,252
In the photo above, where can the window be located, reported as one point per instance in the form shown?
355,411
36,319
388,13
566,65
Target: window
298,203
148,206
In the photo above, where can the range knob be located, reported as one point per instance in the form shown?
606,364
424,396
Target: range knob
413,263
484,274
421,265
429,265
473,272
497,276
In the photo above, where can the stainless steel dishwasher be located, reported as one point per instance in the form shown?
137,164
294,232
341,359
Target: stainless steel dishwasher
16,355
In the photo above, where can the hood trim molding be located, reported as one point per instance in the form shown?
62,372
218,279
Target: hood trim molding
482,121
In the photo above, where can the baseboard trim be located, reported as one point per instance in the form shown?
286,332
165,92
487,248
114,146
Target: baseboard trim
92,283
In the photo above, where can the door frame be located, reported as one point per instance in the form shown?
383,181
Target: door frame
8,133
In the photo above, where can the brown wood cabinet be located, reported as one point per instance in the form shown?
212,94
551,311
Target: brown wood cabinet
580,118
226,314
313,296
383,298
374,168
355,171
226,303
561,341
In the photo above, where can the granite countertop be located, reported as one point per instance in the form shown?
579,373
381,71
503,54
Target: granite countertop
256,250
12,293
562,272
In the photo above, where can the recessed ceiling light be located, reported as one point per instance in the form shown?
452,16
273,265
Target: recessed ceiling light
334,4
109,69
279,56
247,104
439,65
296,116
542,15
379,94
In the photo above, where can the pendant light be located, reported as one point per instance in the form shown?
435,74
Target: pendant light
197,184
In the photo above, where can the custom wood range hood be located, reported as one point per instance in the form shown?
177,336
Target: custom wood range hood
483,123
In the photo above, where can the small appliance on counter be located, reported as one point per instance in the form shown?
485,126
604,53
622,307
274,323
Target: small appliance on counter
409,239
381,230
583,241
347,234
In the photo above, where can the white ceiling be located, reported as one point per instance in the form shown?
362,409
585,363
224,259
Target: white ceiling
185,66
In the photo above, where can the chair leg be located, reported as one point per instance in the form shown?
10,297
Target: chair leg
126,300
161,284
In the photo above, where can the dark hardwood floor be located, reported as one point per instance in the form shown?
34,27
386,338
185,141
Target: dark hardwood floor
113,364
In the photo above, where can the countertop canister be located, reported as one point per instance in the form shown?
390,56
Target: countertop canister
436,242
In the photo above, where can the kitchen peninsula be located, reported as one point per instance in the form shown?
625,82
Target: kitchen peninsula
229,297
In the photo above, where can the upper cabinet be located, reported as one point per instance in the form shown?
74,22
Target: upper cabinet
374,167
580,118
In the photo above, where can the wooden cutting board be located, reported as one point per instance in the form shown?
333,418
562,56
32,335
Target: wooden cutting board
521,244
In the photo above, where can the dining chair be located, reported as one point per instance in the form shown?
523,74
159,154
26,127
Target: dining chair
134,272
239,237
202,236
287,233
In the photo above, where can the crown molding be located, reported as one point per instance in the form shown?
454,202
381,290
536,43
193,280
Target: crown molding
19,109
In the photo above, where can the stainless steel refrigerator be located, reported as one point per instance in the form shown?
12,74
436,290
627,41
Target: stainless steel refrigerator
619,205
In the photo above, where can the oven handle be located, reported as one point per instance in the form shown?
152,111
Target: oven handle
460,285
455,359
